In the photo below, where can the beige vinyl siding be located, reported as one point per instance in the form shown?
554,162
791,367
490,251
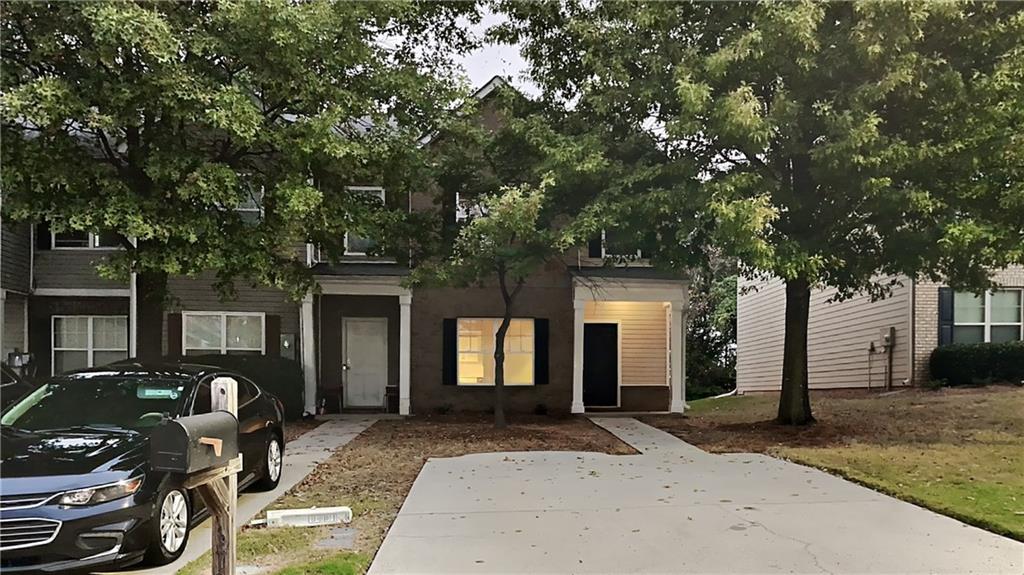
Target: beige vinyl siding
72,269
15,257
839,337
643,327
198,294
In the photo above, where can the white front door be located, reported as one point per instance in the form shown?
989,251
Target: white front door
364,352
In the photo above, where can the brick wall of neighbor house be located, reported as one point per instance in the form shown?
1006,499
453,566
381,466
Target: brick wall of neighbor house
547,295
926,317
198,294
839,336
42,309
16,256
328,315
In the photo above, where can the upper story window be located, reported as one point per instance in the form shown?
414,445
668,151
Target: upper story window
356,245
995,316
232,333
467,209
614,244
251,207
82,240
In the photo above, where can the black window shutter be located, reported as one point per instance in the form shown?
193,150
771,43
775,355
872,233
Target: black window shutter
945,316
43,238
594,248
273,335
174,335
540,351
449,351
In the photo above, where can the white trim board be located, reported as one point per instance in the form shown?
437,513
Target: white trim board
82,292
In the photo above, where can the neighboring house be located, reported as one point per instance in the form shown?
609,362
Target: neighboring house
585,337
850,343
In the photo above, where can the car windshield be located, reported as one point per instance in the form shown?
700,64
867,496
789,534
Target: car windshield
107,401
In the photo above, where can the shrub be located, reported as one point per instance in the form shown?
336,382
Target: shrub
278,375
978,363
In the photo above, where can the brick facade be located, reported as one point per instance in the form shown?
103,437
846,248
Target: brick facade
926,317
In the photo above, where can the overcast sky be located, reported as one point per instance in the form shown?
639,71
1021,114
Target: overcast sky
483,64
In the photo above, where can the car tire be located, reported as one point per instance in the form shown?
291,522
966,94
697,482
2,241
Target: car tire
169,527
273,464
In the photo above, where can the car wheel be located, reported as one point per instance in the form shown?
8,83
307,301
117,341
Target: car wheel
273,463
170,527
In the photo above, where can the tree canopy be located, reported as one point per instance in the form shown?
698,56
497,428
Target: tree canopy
156,119
829,144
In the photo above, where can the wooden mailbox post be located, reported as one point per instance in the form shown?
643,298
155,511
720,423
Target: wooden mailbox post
219,487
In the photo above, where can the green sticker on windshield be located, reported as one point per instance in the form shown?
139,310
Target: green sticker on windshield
156,393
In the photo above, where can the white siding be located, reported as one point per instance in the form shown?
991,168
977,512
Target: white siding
839,337
644,338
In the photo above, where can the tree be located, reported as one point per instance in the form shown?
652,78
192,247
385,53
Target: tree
827,144
155,120
506,242
711,333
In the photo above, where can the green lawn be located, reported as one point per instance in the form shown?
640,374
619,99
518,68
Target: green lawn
958,452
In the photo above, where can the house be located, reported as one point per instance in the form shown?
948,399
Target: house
860,343
586,336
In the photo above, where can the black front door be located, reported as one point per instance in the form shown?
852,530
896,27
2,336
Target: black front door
600,365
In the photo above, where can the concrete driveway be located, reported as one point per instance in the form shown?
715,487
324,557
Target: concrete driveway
671,509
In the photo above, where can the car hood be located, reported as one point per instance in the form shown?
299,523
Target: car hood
70,451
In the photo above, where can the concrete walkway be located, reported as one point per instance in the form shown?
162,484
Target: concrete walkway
671,509
300,458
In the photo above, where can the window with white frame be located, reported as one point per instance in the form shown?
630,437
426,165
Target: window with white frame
995,316
82,240
250,208
356,245
613,245
476,351
81,341
232,333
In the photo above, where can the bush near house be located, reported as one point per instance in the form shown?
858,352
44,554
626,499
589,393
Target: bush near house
978,363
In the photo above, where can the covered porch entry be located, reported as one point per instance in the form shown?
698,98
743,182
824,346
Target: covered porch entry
628,345
356,345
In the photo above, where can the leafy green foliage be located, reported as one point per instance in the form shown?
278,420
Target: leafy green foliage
978,363
711,336
507,239
157,119
828,144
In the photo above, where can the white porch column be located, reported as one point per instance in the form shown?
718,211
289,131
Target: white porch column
133,315
677,353
404,351
577,356
308,354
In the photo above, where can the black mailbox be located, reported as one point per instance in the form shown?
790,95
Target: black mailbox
196,443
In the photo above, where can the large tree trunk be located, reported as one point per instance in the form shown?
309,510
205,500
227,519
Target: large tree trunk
151,293
795,401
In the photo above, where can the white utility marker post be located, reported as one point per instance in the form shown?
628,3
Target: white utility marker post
220,489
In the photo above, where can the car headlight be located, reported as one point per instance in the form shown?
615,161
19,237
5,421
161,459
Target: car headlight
102,493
